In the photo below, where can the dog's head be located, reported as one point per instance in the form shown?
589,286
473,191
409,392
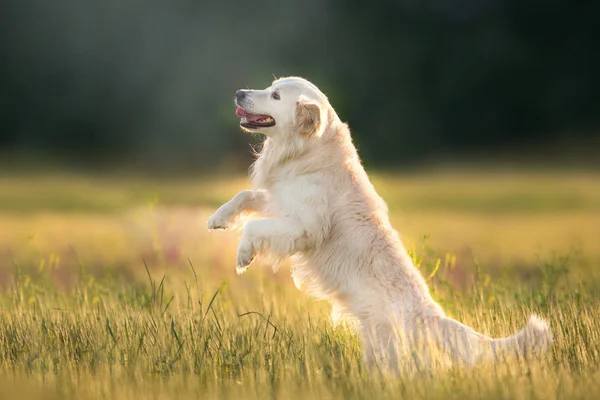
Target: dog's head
289,106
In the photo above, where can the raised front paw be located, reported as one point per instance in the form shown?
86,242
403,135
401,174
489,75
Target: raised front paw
245,255
217,221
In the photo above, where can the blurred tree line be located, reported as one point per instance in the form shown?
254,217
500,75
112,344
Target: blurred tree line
149,82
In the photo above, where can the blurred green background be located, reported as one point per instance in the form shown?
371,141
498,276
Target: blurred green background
476,120
149,84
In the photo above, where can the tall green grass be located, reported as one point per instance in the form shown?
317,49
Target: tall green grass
169,337
100,318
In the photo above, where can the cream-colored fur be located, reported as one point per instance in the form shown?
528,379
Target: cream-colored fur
320,208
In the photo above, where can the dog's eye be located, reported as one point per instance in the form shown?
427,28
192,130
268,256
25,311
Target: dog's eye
275,95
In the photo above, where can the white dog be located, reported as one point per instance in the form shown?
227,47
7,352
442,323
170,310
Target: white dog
320,208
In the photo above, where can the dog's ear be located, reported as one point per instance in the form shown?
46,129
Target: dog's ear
310,117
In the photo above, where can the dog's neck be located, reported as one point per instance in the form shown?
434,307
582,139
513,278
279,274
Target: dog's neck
295,152
274,154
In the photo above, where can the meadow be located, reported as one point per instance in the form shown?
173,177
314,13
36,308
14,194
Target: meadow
112,288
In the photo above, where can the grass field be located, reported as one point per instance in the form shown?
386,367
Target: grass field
111,287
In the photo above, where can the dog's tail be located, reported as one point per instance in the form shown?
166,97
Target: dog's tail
466,345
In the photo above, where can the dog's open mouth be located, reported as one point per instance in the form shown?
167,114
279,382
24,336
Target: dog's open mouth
253,121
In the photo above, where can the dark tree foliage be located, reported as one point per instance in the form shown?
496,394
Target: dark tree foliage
154,80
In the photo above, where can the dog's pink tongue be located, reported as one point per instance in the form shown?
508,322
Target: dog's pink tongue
240,112
243,114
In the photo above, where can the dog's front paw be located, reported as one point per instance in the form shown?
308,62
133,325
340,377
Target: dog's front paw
245,255
216,221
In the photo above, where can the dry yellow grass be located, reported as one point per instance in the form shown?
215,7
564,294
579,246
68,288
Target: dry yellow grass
81,318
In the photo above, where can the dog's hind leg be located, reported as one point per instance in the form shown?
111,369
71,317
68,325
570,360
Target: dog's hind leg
389,347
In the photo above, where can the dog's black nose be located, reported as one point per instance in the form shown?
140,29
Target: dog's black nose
240,94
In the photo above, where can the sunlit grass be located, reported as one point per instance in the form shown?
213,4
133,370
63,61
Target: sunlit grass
113,288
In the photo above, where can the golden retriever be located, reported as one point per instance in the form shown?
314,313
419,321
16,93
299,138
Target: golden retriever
319,207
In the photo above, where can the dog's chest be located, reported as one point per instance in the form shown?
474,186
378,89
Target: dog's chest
291,196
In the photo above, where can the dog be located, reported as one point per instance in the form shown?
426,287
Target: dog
318,207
